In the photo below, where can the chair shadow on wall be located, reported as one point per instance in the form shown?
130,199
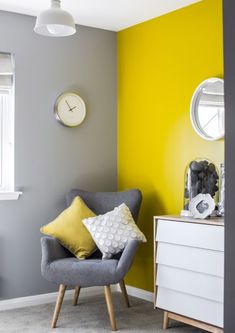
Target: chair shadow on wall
152,205
102,181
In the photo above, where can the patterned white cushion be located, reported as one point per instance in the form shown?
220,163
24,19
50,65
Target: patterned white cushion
113,230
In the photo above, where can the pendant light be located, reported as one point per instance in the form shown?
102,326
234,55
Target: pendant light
55,22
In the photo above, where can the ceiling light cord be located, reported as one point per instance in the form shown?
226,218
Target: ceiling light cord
55,3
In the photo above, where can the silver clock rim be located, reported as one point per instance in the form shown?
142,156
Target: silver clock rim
59,98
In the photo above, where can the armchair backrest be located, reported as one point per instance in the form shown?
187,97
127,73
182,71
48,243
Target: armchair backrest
103,202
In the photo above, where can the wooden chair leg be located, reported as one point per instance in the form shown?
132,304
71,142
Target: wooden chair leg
124,293
108,297
165,320
58,304
76,295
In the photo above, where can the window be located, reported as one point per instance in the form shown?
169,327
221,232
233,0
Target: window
7,186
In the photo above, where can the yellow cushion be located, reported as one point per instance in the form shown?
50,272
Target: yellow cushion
69,230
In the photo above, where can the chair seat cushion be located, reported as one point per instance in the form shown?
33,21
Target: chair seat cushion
69,230
83,273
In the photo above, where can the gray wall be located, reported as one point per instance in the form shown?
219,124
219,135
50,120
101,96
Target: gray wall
229,76
51,159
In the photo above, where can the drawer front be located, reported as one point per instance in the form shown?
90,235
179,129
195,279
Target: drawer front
190,306
197,284
191,258
191,234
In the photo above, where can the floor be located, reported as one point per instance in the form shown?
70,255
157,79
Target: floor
90,316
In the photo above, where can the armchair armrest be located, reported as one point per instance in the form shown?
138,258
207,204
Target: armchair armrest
127,258
52,250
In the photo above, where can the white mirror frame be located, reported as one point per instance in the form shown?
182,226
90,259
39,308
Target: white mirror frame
193,106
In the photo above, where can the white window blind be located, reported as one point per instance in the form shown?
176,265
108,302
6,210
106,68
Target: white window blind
6,71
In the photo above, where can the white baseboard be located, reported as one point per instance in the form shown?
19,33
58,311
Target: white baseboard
21,302
139,293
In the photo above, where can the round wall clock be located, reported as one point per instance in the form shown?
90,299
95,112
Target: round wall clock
70,109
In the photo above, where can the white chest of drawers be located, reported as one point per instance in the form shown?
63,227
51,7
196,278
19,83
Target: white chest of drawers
189,270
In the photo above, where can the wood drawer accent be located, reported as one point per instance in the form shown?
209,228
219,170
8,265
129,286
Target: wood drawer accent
190,306
193,283
191,258
191,234
192,322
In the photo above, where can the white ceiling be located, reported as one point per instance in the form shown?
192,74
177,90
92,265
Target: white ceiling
105,14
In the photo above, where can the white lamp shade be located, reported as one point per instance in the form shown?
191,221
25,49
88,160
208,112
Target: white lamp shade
55,22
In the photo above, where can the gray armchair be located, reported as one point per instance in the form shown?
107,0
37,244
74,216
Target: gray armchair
61,267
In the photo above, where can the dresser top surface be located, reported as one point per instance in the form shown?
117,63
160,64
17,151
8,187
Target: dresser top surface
210,221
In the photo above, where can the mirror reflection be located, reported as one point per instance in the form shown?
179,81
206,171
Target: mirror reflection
207,109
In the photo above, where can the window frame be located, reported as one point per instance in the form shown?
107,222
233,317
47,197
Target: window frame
7,141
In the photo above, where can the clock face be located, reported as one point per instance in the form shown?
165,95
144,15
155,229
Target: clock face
70,109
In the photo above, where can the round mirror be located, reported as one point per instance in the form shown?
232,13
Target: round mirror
207,109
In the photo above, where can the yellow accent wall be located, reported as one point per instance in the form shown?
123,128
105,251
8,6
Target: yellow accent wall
160,63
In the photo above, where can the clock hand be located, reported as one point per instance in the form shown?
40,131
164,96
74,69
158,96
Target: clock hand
68,105
73,108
